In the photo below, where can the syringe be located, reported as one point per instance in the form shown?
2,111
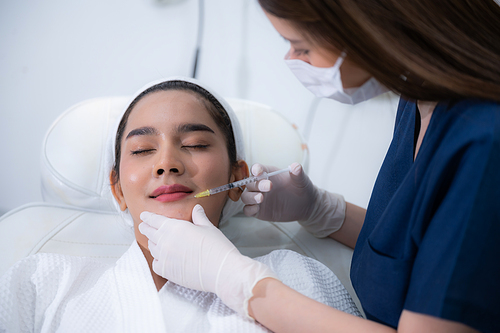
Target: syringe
239,183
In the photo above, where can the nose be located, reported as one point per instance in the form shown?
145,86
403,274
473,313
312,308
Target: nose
168,162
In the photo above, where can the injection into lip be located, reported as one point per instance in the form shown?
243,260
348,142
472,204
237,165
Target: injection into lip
239,183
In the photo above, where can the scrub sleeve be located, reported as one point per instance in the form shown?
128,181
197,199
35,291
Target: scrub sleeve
431,238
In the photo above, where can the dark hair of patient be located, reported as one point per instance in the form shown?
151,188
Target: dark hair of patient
213,106
423,49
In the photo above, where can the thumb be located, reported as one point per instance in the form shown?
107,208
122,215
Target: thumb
199,216
297,175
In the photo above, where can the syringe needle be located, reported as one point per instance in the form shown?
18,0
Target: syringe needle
203,194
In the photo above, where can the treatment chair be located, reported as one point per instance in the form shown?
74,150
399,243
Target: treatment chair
77,216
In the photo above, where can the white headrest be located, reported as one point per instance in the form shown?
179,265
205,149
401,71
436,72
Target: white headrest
73,150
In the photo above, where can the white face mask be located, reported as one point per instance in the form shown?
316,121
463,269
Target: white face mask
326,82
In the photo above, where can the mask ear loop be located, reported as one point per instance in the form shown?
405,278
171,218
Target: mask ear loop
341,59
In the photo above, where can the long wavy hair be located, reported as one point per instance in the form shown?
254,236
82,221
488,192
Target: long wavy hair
421,49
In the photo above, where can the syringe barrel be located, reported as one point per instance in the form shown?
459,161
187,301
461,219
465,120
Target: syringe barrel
220,189
245,181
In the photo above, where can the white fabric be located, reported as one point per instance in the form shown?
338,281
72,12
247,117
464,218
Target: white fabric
50,292
327,82
231,208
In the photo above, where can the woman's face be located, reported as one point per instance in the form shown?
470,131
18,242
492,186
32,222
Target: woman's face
171,150
301,48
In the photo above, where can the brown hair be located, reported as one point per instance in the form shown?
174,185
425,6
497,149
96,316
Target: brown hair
422,49
213,106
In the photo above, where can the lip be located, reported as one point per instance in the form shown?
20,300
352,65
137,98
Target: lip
168,193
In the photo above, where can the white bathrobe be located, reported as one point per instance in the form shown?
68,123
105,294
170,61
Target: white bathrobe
57,293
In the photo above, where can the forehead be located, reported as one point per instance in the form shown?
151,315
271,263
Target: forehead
170,105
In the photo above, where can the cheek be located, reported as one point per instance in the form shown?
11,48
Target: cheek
216,170
213,173
133,180
318,60
131,177
213,206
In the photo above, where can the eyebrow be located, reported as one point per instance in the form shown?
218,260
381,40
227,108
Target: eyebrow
142,131
184,128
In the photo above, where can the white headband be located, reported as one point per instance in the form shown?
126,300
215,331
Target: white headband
231,208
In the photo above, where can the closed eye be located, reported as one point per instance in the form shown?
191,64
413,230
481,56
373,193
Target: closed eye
196,146
141,151
300,52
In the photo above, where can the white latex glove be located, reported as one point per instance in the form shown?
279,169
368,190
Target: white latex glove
293,197
198,256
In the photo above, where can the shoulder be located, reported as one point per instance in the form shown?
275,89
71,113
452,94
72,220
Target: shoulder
33,283
46,271
463,128
471,116
284,261
475,105
50,267
298,271
311,278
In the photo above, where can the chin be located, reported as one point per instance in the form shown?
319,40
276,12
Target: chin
173,212
179,213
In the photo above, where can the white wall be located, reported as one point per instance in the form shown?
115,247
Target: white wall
55,53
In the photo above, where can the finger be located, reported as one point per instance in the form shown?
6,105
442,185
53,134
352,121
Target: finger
297,174
257,169
252,198
295,168
199,216
154,250
153,220
251,210
265,185
150,232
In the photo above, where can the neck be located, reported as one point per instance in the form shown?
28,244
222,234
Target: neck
425,109
158,280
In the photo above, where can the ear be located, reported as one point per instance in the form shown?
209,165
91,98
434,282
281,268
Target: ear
116,189
238,172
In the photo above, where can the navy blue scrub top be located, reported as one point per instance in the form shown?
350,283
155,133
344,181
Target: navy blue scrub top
430,242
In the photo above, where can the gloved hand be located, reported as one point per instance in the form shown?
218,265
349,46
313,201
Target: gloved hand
198,256
293,197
